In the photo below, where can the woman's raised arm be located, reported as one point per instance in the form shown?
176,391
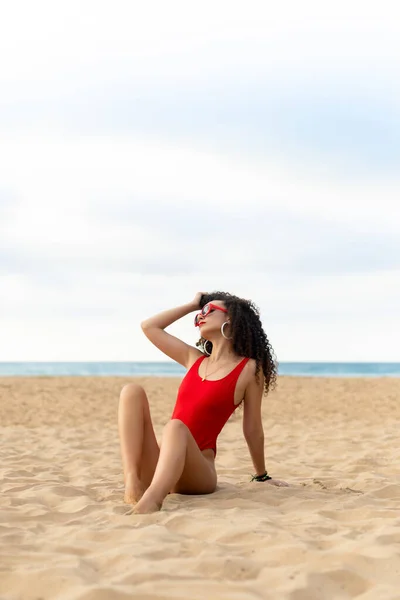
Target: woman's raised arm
177,349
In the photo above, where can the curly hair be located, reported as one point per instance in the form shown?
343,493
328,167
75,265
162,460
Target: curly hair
248,337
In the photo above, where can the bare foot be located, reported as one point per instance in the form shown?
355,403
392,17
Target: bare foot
134,489
147,505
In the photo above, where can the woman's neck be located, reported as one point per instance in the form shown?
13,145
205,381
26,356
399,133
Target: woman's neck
222,352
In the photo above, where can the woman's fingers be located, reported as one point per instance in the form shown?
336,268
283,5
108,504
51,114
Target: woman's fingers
278,482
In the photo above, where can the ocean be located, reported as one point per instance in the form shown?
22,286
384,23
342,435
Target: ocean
171,369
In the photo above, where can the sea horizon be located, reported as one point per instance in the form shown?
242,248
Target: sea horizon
172,369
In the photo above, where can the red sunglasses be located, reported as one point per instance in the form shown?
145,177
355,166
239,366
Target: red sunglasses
207,308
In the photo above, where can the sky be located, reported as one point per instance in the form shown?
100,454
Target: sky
152,150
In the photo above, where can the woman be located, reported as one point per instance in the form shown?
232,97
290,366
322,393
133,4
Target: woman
235,366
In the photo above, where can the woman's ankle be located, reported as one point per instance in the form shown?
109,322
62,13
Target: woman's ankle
134,488
131,476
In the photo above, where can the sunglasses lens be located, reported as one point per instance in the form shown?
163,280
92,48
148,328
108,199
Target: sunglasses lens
203,313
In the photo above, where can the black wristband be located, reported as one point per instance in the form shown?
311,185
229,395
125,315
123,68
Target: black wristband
263,477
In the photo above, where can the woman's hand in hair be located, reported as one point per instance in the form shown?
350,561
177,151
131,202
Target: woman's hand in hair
197,300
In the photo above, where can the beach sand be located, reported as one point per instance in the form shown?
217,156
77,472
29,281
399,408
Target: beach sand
334,534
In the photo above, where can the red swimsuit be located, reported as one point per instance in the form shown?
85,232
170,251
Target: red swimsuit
205,406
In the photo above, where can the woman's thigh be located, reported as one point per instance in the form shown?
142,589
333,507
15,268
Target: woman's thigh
199,475
135,420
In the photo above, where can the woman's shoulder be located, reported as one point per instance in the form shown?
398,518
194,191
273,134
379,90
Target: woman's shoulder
250,364
194,357
250,370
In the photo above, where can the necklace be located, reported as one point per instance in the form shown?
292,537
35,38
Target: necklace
208,374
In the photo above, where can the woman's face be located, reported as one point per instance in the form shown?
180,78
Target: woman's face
213,321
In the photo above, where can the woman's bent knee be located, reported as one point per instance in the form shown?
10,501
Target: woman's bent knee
132,390
176,424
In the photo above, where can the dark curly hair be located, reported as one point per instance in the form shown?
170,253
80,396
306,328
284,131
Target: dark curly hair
248,337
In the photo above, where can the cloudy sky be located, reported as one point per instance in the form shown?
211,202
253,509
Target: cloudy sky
151,150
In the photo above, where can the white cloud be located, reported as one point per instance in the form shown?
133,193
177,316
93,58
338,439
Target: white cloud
314,318
83,33
69,172
107,217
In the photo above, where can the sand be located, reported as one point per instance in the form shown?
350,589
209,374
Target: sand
334,534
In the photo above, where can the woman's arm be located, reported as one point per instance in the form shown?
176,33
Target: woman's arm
253,428
252,423
177,349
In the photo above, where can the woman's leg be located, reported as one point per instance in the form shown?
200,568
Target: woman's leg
181,468
139,447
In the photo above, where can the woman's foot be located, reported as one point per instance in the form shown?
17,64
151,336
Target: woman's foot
134,489
147,504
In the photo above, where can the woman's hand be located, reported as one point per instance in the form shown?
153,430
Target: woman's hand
277,482
265,478
197,299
